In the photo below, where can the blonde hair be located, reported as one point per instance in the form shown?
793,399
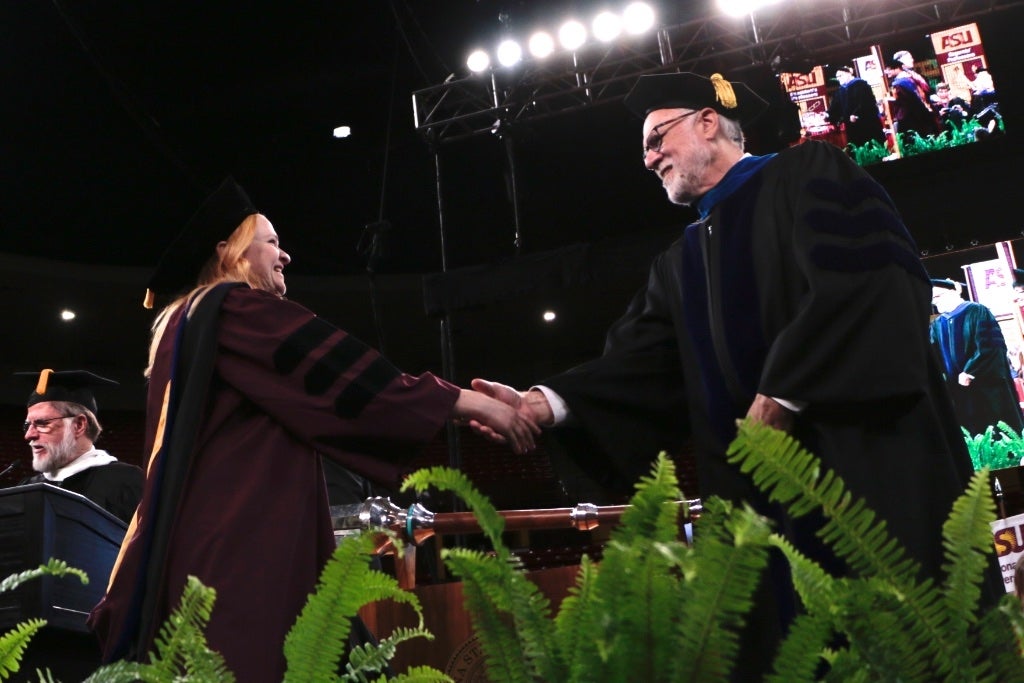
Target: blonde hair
227,264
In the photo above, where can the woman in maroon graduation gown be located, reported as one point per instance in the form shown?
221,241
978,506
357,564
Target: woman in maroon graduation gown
246,389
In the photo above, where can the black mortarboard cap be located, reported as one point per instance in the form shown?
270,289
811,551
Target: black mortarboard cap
692,91
73,386
946,283
216,219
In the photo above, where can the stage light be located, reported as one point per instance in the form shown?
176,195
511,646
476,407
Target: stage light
67,315
549,316
342,132
541,44
607,26
741,8
572,34
478,61
637,18
509,53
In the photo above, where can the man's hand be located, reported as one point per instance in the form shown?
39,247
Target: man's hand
532,406
965,380
768,411
496,420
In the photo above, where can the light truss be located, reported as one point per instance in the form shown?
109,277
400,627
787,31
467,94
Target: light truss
598,74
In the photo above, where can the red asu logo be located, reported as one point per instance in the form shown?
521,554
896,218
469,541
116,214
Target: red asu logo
951,41
955,38
796,81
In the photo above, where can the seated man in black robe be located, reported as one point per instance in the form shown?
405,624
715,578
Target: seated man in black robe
61,428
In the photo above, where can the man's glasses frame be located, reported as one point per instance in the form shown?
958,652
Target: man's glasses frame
42,426
657,135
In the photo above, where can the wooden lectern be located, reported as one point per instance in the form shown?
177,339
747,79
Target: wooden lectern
37,522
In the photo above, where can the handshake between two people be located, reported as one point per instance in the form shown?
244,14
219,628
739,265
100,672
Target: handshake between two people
503,414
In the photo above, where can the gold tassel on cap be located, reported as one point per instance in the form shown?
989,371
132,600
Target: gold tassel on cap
723,91
147,302
44,379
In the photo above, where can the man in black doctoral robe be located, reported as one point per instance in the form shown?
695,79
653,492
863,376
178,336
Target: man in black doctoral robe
61,427
973,351
854,107
797,300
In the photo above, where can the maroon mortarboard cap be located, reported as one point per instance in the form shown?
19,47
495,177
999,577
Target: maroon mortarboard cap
72,386
687,90
179,265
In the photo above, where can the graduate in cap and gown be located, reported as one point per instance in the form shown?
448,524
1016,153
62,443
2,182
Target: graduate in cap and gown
61,428
246,391
797,299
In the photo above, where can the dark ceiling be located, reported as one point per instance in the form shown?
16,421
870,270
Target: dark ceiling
118,117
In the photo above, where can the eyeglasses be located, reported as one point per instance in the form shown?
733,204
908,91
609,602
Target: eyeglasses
657,136
42,426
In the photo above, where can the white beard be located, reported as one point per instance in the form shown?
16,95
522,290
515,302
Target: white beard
57,455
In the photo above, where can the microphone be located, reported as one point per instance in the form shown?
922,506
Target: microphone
8,468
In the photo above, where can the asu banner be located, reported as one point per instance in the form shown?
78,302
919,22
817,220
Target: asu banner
1008,538
957,51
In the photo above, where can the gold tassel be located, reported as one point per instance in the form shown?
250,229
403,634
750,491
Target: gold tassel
44,379
147,302
723,91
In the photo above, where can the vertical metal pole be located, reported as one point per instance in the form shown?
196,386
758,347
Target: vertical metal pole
510,157
447,343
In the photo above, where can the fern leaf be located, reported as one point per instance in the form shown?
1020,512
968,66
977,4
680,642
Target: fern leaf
652,513
1001,640
373,658
316,642
967,539
791,475
422,674
446,479
720,592
123,672
578,624
509,593
180,646
53,567
800,654
13,644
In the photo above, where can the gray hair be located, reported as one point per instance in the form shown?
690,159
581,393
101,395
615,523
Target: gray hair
69,409
732,131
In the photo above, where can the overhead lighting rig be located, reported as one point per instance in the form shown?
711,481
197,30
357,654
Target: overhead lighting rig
577,72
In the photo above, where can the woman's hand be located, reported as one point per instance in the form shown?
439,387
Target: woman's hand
499,421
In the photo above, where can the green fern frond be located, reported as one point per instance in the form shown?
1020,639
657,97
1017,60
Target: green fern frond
967,538
53,567
316,642
883,635
372,658
421,674
578,624
180,650
498,639
791,475
13,644
800,654
995,648
446,479
719,595
816,588
125,672
652,513
180,645
512,604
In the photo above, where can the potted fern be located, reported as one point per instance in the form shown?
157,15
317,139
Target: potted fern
658,610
